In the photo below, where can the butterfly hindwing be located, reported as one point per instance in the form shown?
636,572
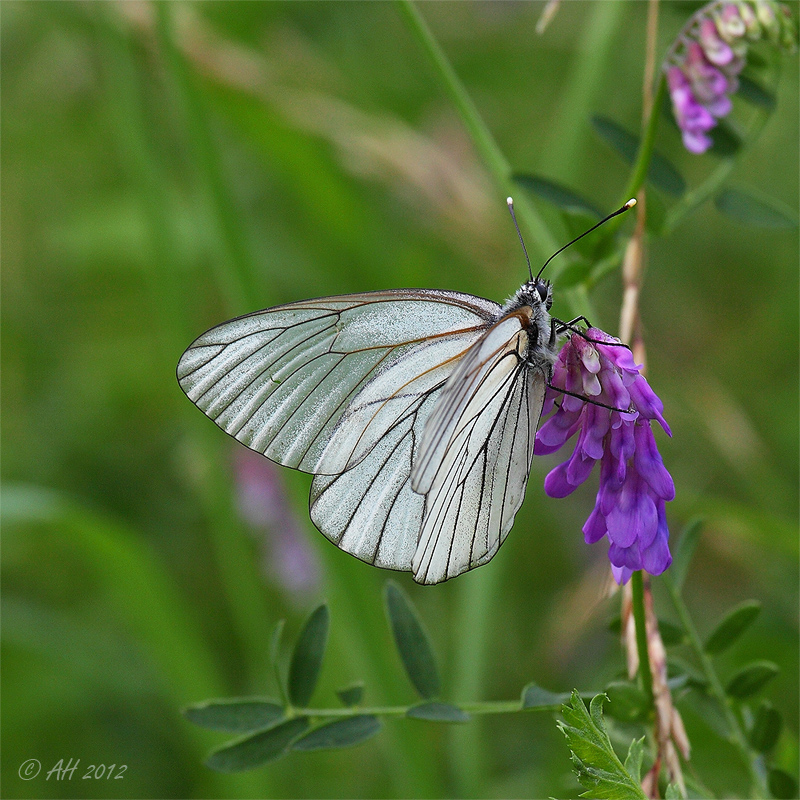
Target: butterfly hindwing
370,510
476,453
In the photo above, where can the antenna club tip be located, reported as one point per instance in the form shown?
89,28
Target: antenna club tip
631,203
510,201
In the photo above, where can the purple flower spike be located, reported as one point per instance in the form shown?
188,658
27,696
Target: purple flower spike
693,119
717,51
703,63
634,483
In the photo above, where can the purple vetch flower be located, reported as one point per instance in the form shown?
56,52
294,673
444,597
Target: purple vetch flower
703,64
262,503
693,118
634,483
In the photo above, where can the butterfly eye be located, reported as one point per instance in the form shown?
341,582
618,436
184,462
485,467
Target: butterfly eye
543,290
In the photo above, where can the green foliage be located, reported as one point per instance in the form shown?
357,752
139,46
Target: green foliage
728,141
279,730
734,624
756,94
259,749
534,696
683,553
782,784
412,642
751,679
633,761
351,695
234,716
307,657
766,727
744,206
673,792
340,733
671,634
661,173
596,765
627,702
560,196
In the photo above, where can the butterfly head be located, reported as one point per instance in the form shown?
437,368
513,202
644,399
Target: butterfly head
536,293
545,291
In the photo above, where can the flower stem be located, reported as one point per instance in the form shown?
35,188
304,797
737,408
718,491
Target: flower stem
645,675
736,734
476,709
645,154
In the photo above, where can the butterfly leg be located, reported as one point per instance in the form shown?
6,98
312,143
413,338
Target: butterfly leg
587,399
563,327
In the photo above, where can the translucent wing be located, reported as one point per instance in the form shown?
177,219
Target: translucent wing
476,452
486,414
371,511
281,380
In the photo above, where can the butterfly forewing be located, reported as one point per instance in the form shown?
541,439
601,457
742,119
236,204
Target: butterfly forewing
280,380
388,396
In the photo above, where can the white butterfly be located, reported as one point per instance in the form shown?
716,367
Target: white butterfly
414,409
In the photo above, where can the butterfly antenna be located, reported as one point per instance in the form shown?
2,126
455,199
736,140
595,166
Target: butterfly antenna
630,204
521,241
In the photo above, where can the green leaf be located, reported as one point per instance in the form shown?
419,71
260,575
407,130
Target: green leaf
755,93
624,142
671,634
533,696
732,626
678,667
234,716
258,749
682,556
709,710
307,657
661,172
633,761
727,141
412,642
560,196
627,702
341,733
748,680
674,792
762,212
781,784
597,766
437,712
351,695
766,727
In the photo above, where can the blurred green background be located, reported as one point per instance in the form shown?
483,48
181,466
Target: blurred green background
168,167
